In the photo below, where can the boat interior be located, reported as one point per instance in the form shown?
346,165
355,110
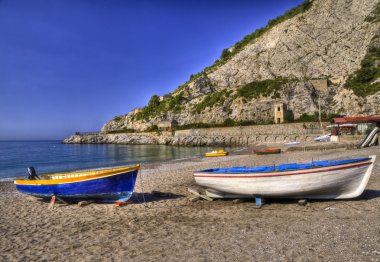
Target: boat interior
92,172
284,167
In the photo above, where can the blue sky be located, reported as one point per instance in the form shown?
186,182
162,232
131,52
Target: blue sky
71,65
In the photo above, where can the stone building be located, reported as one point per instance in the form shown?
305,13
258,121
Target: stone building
167,125
279,112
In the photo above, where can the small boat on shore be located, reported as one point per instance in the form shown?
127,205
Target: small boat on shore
324,138
294,143
339,179
112,184
216,153
268,151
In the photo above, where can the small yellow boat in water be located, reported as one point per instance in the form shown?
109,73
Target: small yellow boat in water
216,153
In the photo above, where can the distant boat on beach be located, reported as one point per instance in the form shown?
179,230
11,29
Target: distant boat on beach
216,153
324,138
338,179
268,151
112,184
294,143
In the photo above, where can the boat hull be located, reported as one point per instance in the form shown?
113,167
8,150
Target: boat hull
267,151
109,187
336,182
215,154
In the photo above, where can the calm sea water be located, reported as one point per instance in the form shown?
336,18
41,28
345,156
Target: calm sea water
52,156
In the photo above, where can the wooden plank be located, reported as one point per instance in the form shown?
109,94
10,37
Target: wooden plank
52,202
61,200
193,190
196,192
194,199
85,203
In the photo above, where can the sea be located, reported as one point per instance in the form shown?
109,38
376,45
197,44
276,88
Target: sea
53,156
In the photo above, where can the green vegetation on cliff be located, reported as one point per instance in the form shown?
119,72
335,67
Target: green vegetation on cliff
264,88
117,118
122,130
325,117
216,98
362,82
152,128
375,15
156,107
227,123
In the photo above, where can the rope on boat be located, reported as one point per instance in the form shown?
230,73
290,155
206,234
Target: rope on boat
142,190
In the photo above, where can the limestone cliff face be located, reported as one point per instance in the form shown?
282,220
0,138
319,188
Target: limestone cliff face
328,41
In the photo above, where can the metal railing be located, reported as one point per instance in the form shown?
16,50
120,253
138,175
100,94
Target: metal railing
87,133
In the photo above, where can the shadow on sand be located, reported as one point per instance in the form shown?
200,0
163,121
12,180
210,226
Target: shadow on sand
153,196
136,198
369,194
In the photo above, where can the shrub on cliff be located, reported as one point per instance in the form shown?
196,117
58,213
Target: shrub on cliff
325,117
225,54
152,128
213,99
156,107
118,131
289,116
361,82
264,88
117,118
375,15
229,122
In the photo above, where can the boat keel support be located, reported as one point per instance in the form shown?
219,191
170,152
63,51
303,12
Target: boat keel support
259,201
303,202
53,199
122,201
196,192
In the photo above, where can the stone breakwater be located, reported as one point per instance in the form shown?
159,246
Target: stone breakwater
226,136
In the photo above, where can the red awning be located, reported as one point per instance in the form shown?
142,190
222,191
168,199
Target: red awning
356,119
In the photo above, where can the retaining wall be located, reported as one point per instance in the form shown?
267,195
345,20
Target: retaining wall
226,136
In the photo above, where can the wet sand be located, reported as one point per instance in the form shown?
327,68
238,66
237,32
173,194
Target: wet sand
168,227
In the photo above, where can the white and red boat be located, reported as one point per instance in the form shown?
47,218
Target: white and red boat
339,179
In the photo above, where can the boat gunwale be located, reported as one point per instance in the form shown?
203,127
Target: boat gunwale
97,175
216,154
208,174
95,171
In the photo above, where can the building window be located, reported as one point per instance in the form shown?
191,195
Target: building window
278,108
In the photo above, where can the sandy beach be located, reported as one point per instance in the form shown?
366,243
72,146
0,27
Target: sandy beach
169,227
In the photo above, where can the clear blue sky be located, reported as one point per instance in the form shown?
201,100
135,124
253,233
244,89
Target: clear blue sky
71,65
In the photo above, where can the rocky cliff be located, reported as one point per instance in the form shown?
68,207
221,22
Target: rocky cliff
325,53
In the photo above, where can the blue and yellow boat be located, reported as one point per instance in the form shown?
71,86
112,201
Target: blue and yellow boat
112,184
